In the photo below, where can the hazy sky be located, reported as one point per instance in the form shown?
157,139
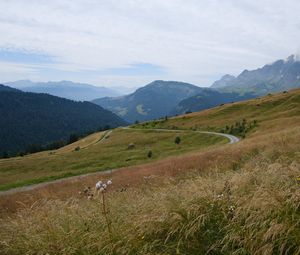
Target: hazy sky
132,42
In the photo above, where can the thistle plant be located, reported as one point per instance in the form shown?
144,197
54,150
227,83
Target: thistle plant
101,188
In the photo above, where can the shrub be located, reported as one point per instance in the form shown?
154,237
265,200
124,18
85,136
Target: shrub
130,146
177,140
149,155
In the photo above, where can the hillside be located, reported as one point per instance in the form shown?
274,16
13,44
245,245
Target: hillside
99,152
278,76
152,101
208,98
283,107
226,199
4,88
65,89
30,118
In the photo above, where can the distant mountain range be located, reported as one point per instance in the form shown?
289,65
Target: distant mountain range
65,89
161,98
31,118
278,76
152,101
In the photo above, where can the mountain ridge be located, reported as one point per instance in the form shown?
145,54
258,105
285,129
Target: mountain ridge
274,77
66,89
152,101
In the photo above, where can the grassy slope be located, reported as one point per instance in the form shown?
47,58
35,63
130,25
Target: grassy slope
238,199
265,110
107,154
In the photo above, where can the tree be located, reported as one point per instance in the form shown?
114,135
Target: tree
106,127
73,138
5,154
33,148
149,155
177,140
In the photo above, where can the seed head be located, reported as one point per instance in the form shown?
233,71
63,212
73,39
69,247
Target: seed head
231,208
98,185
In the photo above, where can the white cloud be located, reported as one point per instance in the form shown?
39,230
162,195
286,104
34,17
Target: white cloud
194,41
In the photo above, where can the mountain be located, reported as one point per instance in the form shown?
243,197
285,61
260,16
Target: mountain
161,98
30,118
208,98
278,76
224,81
66,89
152,101
4,88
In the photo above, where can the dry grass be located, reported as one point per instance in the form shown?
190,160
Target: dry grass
246,204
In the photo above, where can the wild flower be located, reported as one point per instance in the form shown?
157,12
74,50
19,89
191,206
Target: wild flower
98,185
220,196
101,187
231,208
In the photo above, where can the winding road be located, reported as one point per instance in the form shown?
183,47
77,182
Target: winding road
232,139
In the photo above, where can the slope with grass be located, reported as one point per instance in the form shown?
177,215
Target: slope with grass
268,112
90,155
232,199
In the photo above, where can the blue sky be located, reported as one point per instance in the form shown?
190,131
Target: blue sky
132,42
19,56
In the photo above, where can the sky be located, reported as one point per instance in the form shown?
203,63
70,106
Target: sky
129,43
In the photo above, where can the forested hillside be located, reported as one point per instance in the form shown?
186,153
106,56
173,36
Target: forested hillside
33,119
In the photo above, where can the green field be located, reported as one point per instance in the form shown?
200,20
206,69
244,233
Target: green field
110,153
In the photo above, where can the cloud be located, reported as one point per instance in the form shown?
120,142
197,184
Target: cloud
192,40
138,69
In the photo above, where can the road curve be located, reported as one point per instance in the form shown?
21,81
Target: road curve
232,139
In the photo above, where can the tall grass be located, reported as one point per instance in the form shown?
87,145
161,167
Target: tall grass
251,207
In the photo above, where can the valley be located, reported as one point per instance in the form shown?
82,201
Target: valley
202,184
